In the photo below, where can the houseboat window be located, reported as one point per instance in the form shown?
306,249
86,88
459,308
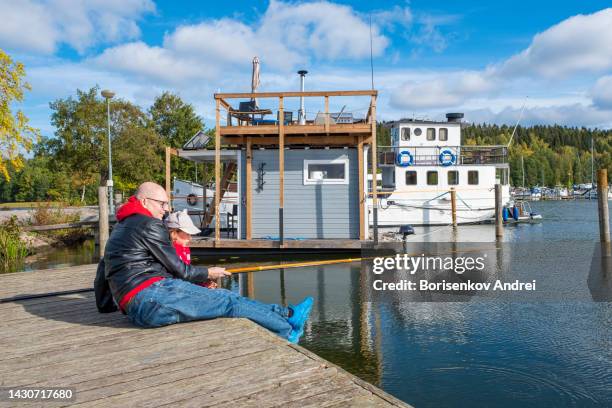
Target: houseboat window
453,177
443,134
411,178
431,134
326,171
432,178
405,134
473,177
417,132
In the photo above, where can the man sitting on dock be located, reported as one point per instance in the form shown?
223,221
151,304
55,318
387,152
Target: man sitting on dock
155,288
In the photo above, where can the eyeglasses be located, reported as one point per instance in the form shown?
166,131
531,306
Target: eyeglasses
164,204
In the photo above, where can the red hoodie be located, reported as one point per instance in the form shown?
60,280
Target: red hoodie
132,207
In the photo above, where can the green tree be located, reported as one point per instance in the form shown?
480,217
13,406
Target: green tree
80,147
16,134
176,122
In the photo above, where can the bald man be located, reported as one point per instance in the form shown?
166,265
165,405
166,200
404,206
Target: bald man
155,288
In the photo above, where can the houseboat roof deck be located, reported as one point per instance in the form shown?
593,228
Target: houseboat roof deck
320,128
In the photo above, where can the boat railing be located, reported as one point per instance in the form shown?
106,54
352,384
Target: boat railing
442,155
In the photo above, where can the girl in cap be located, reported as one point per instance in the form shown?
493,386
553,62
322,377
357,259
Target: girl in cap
181,229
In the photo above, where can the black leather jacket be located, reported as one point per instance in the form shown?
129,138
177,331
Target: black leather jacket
138,249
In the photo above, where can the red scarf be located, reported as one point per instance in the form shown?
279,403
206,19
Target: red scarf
183,252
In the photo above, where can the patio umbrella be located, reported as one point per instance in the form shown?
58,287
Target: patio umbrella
255,78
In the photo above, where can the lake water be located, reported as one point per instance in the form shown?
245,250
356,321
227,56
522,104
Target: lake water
550,348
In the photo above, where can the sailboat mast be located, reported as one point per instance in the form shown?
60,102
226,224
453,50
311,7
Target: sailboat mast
523,168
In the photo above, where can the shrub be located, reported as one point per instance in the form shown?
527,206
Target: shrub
12,249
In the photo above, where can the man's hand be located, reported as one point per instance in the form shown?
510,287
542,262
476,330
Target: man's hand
217,272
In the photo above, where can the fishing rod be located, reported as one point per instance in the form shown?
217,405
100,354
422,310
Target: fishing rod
230,270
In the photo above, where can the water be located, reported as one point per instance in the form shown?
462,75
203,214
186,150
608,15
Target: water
553,349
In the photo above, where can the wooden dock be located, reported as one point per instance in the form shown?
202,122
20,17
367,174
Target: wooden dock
62,341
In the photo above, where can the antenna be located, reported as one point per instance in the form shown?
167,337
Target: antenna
517,122
371,53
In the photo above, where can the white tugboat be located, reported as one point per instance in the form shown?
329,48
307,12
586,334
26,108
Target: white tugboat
425,160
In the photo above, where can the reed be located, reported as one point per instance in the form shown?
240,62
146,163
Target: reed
12,249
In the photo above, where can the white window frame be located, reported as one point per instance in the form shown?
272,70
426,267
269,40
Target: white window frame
345,180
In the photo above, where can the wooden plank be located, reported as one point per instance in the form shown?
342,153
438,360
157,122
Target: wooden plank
343,140
249,188
243,95
374,154
169,152
64,342
342,128
327,114
361,181
270,244
281,168
217,172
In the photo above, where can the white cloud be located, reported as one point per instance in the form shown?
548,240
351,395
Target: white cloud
41,26
601,92
443,90
285,37
582,43
569,115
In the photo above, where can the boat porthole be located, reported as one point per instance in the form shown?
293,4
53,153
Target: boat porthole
192,199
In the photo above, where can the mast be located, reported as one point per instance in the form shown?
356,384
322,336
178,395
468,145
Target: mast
523,168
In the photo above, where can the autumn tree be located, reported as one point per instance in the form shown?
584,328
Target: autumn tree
16,135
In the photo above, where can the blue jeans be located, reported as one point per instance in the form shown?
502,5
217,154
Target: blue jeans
172,301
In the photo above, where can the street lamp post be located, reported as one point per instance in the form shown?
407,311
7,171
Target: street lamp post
108,95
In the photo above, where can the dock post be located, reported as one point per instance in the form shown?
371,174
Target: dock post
103,218
499,222
602,199
453,194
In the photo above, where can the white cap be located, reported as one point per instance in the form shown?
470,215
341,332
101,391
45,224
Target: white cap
182,221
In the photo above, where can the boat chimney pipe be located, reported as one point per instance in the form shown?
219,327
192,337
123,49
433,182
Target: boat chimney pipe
302,114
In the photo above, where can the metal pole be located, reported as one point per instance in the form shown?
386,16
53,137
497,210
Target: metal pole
301,113
602,199
499,226
453,194
102,218
109,183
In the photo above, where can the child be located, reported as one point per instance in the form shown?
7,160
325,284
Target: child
181,229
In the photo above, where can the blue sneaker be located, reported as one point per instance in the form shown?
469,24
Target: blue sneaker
294,336
300,315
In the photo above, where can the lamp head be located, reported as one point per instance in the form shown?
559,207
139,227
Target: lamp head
107,94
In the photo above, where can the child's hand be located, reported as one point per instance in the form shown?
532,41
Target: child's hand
210,284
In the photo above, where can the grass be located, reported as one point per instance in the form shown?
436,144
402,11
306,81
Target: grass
12,250
29,204
46,214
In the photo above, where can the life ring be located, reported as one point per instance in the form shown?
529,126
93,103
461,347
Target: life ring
447,158
192,199
404,159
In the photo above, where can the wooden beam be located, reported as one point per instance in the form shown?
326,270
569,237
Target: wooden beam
217,171
374,168
245,95
225,104
312,130
362,198
249,188
326,114
292,140
281,169
169,152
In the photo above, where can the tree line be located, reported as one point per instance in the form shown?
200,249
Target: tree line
550,155
71,165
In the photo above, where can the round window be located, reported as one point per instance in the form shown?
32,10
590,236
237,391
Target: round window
417,132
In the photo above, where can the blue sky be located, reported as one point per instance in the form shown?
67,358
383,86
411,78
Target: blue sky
486,59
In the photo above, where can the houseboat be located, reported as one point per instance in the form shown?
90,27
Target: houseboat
425,162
